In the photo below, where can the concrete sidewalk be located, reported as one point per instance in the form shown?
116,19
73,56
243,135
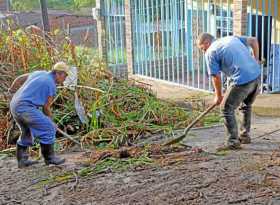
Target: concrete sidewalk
265,104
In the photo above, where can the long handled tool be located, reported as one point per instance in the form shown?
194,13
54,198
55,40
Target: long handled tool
68,136
180,138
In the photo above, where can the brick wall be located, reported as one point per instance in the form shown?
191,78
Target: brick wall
128,33
3,5
72,20
240,17
82,28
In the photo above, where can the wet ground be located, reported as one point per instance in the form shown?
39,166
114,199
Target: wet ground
248,176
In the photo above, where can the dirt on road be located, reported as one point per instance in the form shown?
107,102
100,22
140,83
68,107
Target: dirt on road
187,176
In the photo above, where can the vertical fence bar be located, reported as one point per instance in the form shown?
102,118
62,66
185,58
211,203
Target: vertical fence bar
109,32
163,29
257,19
197,51
136,23
269,43
143,42
182,40
177,12
191,18
172,38
136,40
262,46
153,40
167,41
250,18
140,40
149,37
228,17
209,16
122,33
203,60
215,17
275,40
139,36
145,9
187,39
156,30
116,53
222,18
142,36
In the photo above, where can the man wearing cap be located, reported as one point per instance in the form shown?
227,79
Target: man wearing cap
36,90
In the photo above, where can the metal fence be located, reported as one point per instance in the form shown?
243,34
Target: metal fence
164,38
263,23
115,35
164,34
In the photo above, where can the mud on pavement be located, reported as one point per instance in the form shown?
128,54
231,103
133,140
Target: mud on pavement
248,176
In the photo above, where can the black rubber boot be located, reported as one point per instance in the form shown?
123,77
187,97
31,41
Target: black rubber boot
49,155
22,157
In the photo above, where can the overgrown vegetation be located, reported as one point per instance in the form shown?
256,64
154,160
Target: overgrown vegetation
126,110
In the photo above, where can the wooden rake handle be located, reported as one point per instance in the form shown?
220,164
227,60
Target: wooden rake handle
68,136
180,138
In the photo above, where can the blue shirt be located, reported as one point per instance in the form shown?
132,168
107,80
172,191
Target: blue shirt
35,91
231,56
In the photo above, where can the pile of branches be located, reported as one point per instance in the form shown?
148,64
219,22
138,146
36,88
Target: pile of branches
123,112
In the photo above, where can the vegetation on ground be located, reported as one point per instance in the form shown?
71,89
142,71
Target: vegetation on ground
125,110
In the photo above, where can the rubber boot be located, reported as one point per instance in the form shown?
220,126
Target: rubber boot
49,155
22,157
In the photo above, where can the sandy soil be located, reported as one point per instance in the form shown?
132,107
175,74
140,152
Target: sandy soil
248,176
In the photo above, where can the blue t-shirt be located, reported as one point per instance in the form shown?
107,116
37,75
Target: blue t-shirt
232,56
37,88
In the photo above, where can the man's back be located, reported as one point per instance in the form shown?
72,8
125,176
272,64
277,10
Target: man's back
36,90
231,56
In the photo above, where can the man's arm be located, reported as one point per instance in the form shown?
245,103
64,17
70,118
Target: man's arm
47,107
254,44
17,83
217,82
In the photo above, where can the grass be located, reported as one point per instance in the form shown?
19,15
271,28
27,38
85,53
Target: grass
212,119
109,164
222,153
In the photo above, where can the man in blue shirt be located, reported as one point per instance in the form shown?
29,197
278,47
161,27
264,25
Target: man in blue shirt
36,90
232,56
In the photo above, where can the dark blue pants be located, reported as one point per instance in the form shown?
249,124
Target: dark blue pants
33,123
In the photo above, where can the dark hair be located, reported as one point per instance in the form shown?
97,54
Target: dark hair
204,37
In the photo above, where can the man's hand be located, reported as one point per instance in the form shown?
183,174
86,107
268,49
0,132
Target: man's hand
47,107
218,100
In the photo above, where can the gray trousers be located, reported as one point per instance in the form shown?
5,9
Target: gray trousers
241,96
